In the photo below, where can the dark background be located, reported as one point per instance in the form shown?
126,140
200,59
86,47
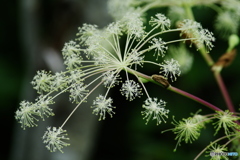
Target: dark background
27,32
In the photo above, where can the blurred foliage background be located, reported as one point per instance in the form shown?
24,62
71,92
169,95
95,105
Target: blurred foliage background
31,30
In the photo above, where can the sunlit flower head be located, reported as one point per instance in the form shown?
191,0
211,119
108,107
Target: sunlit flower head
70,48
110,79
59,81
78,92
134,24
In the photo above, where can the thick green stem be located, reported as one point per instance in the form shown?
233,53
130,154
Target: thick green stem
188,10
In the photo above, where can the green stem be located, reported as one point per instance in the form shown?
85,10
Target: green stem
188,10
206,57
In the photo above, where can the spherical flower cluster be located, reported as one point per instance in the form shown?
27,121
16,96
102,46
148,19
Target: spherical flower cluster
227,121
202,38
130,89
187,130
26,115
159,46
55,139
29,112
102,105
110,79
155,109
78,92
42,81
216,150
171,68
161,21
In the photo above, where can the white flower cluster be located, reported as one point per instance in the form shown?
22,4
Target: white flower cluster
155,110
102,105
201,37
171,68
28,112
100,53
54,138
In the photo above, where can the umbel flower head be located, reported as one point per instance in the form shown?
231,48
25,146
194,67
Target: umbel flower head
215,151
100,55
202,38
188,130
29,113
54,139
155,110
171,68
226,120
102,105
